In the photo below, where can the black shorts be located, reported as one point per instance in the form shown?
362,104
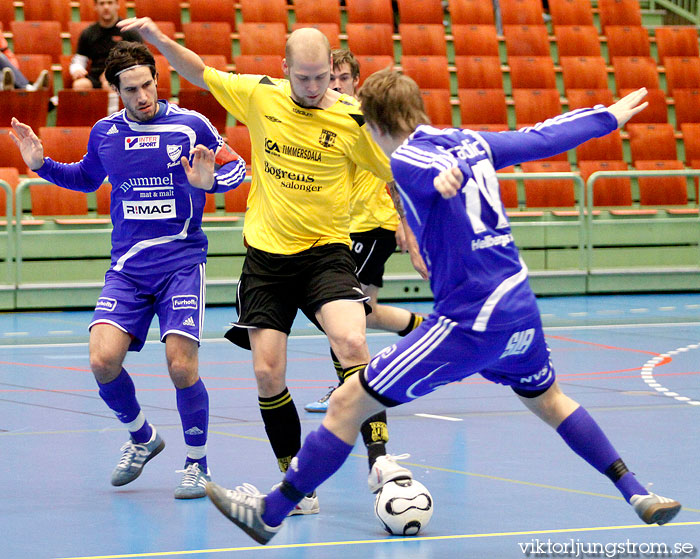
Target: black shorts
273,287
371,250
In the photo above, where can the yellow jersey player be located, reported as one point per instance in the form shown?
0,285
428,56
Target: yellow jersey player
375,229
306,141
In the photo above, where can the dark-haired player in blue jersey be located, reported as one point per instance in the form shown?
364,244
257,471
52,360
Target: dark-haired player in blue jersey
160,159
485,318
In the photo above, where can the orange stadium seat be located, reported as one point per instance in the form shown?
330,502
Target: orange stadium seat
162,10
30,107
608,147
371,64
423,39
11,176
526,40
204,102
209,38
238,138
437,106
584,72
656,112
168,28
265,64
509,189
478,72
81,107
262,38
687,105
330,30
66,145
31,66
369,11
482,106
7,14
165,88
475,40
311,11
682,73
608,191
370,38
619,12
471,11
429,72
269,11
633,72
420,11
236,200
676,41
532,72
548,193
627,41
691,141
577,40
37,37
582,98
103,195
651,141
9,154
217,61
75,28
521,12
221,11
571,12
535,105
48,10
662,191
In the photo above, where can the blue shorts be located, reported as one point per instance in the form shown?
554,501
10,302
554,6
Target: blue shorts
129,303
439,352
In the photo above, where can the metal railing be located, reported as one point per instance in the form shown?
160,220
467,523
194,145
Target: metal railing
9,231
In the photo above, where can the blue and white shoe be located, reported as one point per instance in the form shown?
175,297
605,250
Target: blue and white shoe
194,482
134,458
320,405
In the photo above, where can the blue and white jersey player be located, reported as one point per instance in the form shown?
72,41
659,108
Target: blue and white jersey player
485,318
160,159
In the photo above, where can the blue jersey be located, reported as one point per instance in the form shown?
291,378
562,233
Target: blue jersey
156,213
476,274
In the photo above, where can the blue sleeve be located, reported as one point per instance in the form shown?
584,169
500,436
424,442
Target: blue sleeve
548,138
230,167
84,176
229,176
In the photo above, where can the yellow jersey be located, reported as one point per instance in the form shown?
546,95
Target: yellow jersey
303,161
370,204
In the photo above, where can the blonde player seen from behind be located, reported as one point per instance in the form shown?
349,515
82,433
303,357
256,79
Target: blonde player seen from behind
306,142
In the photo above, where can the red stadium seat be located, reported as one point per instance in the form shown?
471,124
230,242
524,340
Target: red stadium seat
420,11
78,107
608,147
656,112
627,41
687,105
633,72
548,193
222,11
478,72
238,137
691,141
429,72
676,41
651,142
265,64
262,38
535,105
37,37
662,191
30,107
419,39
619,12
9,154
584,72
583,98
330,30
204,102
11,176
471,11
370,38
216,61
437,106
571,12
482,106
526,40
475,40
312,11
369,11
31,66
209,38
48,10
509,189
162,10
608,191
532,72
682,73
371,64
521,12
269,11
577,40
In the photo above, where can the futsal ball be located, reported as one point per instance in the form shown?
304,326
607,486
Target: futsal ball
404,507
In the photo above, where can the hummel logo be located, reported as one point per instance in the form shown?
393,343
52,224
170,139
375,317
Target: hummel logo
194,431
113,130
188,322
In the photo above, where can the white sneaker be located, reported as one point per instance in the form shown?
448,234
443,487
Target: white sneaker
8,80
655,509
42,82
386,469
308,505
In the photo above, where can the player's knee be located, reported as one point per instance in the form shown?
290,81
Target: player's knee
270,378
104,367
352,348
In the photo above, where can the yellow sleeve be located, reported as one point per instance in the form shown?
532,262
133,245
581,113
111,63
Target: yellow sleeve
232,91
369,156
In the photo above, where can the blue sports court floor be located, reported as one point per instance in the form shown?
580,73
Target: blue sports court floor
504,484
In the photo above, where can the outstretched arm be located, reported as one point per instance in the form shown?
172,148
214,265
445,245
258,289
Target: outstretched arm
186,62
29,144
628,106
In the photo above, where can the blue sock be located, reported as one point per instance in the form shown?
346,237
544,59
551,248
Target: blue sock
193,406
581,432
120,396
320,457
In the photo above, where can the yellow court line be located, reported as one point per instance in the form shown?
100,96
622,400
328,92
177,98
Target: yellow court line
382,541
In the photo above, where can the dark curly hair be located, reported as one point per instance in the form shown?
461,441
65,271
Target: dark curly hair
124,55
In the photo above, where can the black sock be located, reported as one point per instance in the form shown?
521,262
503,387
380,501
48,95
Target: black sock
282,426
375,435
337,366
413,323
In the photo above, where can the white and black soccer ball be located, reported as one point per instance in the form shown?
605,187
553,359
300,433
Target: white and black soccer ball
404,507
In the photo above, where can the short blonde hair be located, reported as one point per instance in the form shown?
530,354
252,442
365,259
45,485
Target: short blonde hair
392,102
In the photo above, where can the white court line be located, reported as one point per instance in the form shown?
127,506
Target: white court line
443,417
647,374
